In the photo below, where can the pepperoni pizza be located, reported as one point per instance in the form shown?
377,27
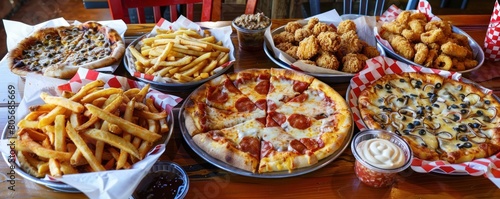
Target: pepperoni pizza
267,120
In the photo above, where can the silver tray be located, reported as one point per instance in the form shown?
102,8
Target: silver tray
476,50
63,187
327,78
229,168
129,59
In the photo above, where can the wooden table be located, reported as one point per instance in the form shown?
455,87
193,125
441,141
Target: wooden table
336,180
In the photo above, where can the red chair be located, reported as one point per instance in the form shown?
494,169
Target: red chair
119,9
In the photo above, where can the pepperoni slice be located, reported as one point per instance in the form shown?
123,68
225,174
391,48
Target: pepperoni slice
216,95
310,144
299,121
300,86
250,145
262,104
271,106
266,149
262,120
230,87
279,118
244,104
300,98
264,76
270,122
298,146
262,87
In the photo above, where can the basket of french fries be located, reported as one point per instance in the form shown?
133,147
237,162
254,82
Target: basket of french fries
180,55
78,135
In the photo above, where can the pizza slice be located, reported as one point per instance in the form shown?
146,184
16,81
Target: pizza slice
238,145
285,85
253,83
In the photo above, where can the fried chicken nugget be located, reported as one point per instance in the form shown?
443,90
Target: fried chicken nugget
329,41
411,35
308,48
403,17
418,16
322,27
402,47
346,26
302,33
457,65
443,62
421,53
433,53
470,63
284,46
369,51
283,37
454,50
327,60
432,36
445,26
353,63
350,43
417,26
461,39
288,48
311,23
393,27
291,27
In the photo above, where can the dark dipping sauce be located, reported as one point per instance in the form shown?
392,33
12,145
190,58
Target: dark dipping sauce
160,184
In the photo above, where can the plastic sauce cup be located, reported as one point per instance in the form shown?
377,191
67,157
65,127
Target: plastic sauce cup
380,156
250,40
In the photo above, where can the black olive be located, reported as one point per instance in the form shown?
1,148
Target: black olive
429,108
438,85
406,132
419,82
476,125
456,118
467,145
430,94
463,111
387,86
379,86
50,55
402,80
401,99
417,86
462,127
411,126
413,95
387,109
416,123
479,112
421,132
463,105
389,91
19,64
454,106
436,105
424,144
404,118
464,138
429,118
487,101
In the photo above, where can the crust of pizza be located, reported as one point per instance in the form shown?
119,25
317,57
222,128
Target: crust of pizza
285,161
225,151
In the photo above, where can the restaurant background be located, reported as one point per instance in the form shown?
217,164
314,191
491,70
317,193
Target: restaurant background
36,11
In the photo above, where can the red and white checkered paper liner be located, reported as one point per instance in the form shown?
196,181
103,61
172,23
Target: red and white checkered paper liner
379,66
221,34
491,43
84,76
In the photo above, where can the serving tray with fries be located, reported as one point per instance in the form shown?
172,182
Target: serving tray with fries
180,55
95,122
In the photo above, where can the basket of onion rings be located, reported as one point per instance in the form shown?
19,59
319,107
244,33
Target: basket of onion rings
419,38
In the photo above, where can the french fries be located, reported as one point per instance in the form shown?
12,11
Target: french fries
94,129
180,56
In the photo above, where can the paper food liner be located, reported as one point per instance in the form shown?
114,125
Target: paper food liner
106,184
221,34
17,31
491,44
380,66
364,29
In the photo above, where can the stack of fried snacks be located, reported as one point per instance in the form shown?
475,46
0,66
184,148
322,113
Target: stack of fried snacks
431,44
94,129
180,56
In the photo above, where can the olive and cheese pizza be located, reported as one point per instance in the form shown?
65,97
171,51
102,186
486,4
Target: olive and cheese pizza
267,120
441,118
60,51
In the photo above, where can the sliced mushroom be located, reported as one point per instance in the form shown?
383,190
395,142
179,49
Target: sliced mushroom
445,135
472,98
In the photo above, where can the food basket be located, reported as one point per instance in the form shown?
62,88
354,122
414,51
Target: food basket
31,97
164,84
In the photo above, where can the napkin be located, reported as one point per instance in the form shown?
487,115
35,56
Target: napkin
491,43
378,67
364,29
17,31
106,184
221,34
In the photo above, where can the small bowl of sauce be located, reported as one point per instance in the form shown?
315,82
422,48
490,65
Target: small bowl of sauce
165,180
380,156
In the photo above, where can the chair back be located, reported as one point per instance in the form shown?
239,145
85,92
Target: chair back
348,7
120,9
